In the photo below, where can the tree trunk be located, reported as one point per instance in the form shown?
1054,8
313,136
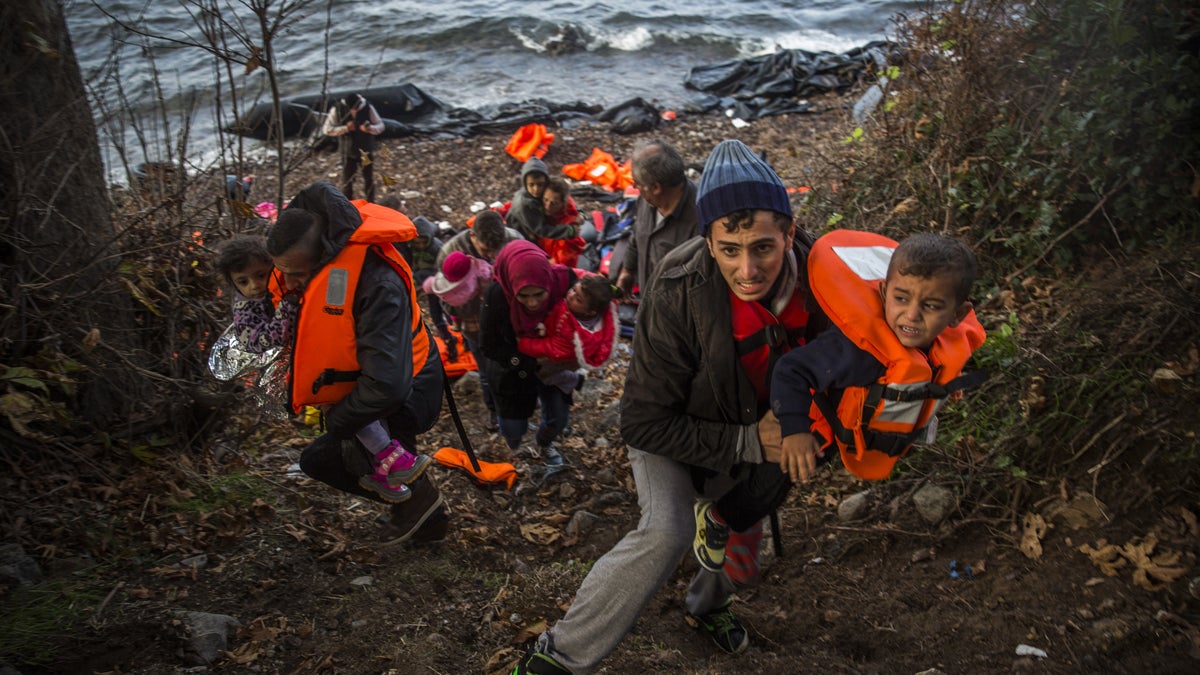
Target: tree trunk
58,281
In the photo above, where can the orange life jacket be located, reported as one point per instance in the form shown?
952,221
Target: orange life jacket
601,169
531,140
465,361
325,362
490,473
874,426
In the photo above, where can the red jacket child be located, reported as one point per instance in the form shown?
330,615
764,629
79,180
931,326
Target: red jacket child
582,329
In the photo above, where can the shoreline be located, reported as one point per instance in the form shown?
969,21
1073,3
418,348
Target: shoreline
441,178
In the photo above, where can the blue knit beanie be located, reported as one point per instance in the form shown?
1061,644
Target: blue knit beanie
734,179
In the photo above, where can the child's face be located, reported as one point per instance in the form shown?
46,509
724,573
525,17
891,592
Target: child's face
553,202
535,184
918,309
578,303
252,280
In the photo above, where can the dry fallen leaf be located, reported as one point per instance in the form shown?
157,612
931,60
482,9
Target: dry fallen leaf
530,632
541,533
1033,528
1105,556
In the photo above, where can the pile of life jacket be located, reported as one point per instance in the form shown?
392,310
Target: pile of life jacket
601,169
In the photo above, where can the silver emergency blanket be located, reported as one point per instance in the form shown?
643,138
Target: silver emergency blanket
265,375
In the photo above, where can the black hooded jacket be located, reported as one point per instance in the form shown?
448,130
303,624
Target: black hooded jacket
387,389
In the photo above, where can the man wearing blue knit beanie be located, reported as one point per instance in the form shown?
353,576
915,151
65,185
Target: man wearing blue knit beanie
722,308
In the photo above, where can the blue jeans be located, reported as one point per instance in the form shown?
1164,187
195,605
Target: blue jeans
556,409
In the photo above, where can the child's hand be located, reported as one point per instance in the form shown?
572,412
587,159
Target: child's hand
541,330
798,459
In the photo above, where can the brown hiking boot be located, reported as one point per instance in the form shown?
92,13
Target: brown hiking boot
434,530
407,518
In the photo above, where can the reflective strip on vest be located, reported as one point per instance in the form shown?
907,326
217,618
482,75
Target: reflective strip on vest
867,262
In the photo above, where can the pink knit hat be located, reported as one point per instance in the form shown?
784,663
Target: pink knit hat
456,266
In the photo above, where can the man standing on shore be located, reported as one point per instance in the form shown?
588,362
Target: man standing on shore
695,414
665,215
354,122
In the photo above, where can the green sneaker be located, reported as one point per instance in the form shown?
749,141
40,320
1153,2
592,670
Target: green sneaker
711,538
535,663
725,630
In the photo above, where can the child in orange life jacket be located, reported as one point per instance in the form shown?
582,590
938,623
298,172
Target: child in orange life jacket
260,325
580,331
559,234
923,294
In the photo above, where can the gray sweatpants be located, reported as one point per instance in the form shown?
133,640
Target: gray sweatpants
624,580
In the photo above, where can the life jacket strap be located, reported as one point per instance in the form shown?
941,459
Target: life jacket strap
891,444
938,391
331,376
775,336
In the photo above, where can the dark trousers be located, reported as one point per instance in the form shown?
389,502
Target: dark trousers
352,161
762,488
340,463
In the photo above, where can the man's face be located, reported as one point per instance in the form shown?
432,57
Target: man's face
252,280
297,265
488,253
750,259
535,183
918,309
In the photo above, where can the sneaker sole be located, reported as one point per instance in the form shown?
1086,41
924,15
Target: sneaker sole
412,474
389,496
697,622
420,521
700,543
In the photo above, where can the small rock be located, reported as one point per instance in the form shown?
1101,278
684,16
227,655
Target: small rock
581,523
410,194
208,636
363,582
608,476
600,442
467,387
855,507
934,503
18,567
832,615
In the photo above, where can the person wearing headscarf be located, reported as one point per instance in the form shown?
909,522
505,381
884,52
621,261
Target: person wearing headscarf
526,287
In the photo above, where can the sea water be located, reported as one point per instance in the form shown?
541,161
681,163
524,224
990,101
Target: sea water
467,54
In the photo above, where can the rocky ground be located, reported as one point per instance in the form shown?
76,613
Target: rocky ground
881,578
